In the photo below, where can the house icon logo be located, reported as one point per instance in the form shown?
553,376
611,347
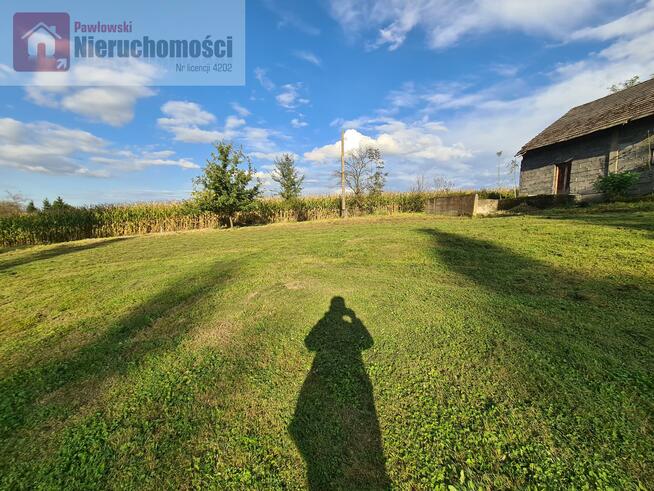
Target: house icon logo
41,42
41,35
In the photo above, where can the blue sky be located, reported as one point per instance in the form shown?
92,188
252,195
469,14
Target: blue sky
438,86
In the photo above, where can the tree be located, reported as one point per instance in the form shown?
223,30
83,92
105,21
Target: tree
287,176
377,180
46,205
13,205
513,167
443,184
420,184
630,82
31,208
224,187
364,171
59,204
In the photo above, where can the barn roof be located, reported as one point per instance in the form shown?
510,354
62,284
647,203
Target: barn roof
622,107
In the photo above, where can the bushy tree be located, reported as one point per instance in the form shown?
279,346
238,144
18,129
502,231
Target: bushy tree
224,187
364,171
31,208
46,205
287,176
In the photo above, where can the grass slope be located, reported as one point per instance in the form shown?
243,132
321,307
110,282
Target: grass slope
409,351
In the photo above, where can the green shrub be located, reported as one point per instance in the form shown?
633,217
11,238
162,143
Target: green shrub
541,201
616,185
496,193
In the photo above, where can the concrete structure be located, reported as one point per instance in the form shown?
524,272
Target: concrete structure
461,205
612,134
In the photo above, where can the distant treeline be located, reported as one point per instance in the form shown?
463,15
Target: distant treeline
62,224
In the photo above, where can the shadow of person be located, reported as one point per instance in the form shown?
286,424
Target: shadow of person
335,424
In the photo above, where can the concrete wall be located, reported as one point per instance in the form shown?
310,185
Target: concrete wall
486,206
615,150
452,205
464,205
646,183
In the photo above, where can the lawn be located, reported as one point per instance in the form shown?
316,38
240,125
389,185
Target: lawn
406,351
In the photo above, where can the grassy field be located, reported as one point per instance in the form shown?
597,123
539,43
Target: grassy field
405,351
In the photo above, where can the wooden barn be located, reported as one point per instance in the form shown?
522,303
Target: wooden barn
612,134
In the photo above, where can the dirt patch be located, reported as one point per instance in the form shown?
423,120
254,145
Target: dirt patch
294,285
217,334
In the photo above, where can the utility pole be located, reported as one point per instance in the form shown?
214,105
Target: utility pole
499,164
343,211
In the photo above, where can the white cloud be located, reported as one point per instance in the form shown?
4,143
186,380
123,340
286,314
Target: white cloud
261,75
309,57
6,72
159,154
54,149
264,178
233,122
298,123
289,18
240,110
114,106
45,147
129,160
183,119
508,123
412,142
445,22
505,70
183,112
637,22
258,139
361,122
101,91
189,122
290,97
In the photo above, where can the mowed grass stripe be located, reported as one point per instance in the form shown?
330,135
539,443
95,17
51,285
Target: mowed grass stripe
504,352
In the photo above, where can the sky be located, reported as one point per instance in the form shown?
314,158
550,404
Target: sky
438,86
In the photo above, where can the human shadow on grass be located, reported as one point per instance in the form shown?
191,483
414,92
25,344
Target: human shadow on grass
124,342
335,424
577,347
56,251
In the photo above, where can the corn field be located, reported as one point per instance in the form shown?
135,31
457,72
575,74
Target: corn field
144,218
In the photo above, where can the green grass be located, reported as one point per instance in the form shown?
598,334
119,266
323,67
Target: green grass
503,352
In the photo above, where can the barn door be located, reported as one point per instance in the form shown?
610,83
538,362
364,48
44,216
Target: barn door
563,178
